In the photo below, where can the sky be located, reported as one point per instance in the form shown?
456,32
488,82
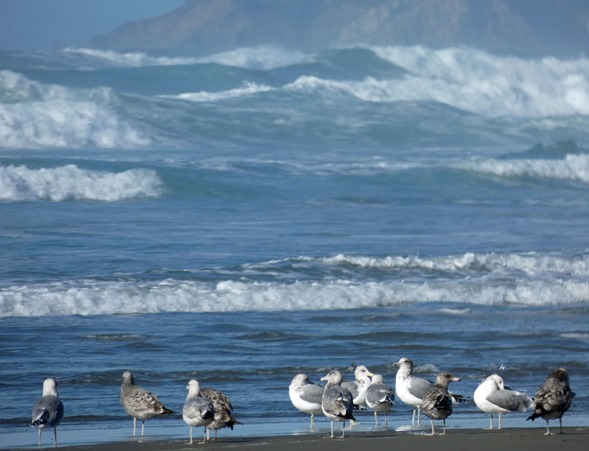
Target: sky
50,24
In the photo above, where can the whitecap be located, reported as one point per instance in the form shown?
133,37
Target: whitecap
247,89
37,115
470,80
573,168
69,182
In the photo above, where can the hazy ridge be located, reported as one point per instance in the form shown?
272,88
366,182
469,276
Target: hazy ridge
522,27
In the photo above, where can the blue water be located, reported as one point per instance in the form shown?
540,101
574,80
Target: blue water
251,215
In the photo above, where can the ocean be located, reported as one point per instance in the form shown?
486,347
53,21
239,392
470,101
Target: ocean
246,216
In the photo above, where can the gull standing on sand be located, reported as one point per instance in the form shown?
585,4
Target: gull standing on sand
47,411
197,410
337,403
140,404
380,397
306,396
358,386
437,402
223,411
492,397
553,398
410,389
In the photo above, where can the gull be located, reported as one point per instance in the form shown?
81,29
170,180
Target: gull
337,403
410,389
553,398
140,404
197,410
437,402
359,385
47,411
380,397
223,411
492,397
306,396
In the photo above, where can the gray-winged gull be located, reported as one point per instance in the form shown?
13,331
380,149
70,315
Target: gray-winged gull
437,402
358,386
410,389
380,397
337,403
306,396
197,410
140,404
47,411
492,397
553,398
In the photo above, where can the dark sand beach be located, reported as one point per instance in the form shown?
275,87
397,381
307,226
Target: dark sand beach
455,440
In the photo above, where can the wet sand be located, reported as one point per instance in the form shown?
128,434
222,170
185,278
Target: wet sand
575,439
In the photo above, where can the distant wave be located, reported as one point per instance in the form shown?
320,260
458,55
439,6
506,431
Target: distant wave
37,115
469,80
475,264
130,59
573,168
19,183
204,96
482,83
261,57
523,280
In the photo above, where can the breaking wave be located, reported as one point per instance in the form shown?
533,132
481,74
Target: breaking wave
37,115
573,168
470,279
69,182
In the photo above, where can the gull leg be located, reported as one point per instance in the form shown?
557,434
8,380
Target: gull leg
413,417
190,434
375,418
499,420
39,436
204,436
343,429
491,422
142,427
547,429
134,426
312,426
55,436
433,430
560,419
444,427
331,429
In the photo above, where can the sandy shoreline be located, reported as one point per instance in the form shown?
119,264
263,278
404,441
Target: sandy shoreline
575,439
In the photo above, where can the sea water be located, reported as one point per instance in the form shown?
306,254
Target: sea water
250,215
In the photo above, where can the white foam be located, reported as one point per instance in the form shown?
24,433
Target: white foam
19,183
36,115
574,168
475,264
247,89
88,297
260,57
473,81
130,59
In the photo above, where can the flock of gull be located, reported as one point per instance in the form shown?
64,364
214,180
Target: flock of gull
337,400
